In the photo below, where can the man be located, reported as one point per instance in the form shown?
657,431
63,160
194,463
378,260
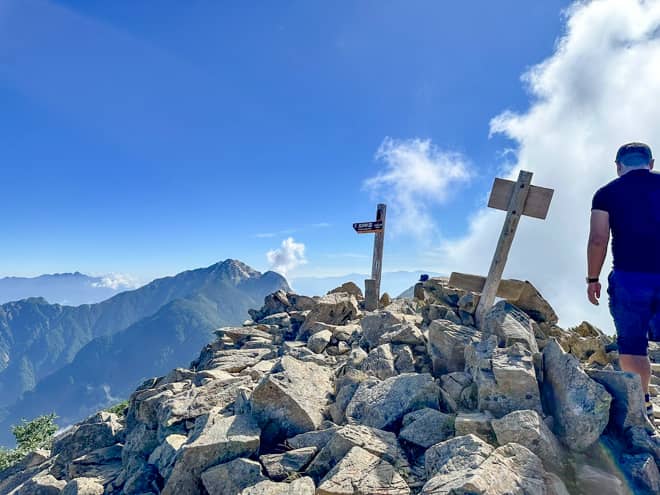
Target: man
629,207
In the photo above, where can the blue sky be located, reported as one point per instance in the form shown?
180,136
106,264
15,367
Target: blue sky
155,136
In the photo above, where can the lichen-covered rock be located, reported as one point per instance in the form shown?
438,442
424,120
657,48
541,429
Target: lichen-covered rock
379,443
382,404
462,453
427,427
380,362
579,405
292,400
446,345
510,325
215,439
362,473
528,429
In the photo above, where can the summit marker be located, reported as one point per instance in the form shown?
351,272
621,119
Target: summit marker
372,285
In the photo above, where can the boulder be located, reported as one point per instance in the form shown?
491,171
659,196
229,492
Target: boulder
281,466
377,324
316,439
164,455
44,484
102,464
292,400
591,479
405,333
446,345
427,427
380,362
477,424
579,405
215,439
300,486
511,469
382,404
458,454
404,359
83,486
232,477
349,288
319,341
510,325
345,387
362,473
454,383
510,384
642,471
532,302
379,443
627,408
528,429
334,309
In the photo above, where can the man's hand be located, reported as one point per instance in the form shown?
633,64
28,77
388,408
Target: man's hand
593,293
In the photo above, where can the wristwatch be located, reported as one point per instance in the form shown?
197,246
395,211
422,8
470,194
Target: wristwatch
591,280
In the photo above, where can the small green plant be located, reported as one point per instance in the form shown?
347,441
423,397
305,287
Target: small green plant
119,409
30,435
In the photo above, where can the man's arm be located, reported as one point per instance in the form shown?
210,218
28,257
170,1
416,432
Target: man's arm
599,238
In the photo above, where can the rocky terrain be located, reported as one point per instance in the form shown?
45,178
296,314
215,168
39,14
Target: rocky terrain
318,396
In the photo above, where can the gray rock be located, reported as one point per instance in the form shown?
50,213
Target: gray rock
233,360
164,455
232,477
554,485
380,362
404,359
427,427
405,333
103,464
383,404
478,424
319,341
315,439
458,454
591,479
300,486
377,324
214,440
44,484
349,288
446,344
510,325
528,429
281,466
627,408
511,470
643,472
362,473
532,302
334,309
454,384
579,405
291,401
640,442
83,486
379,443
510,384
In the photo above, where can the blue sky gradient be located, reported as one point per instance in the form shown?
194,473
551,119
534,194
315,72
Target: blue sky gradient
156,136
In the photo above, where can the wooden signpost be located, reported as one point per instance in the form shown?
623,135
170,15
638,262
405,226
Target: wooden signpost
517,199
372,285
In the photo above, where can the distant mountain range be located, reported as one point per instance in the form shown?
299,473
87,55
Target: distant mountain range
71,289
394,283
76,360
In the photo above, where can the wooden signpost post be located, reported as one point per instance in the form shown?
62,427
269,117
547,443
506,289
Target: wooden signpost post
517,199
372,285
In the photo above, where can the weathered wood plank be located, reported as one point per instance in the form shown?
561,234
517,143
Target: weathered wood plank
379,240
537,204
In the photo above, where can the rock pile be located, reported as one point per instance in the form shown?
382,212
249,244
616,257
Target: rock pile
318,396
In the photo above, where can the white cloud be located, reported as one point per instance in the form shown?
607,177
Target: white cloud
288,256
597,91
117,281
417,174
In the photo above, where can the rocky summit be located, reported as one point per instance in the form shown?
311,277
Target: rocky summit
318,396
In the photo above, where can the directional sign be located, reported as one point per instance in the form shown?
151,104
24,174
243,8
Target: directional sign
368,227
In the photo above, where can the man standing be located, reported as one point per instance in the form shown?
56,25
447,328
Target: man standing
629,207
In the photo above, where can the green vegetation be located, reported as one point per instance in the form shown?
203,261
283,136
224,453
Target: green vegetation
119,409
30,435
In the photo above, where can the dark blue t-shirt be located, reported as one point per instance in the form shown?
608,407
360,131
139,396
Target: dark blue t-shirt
633,202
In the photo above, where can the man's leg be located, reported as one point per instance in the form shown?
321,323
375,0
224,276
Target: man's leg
637,364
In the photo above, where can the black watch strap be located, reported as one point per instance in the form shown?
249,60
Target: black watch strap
591,280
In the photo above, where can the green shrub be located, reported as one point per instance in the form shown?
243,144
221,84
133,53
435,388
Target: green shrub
119,409
30,435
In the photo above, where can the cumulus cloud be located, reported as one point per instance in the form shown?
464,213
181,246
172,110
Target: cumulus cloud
416,174
288,256
117,281
597,91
